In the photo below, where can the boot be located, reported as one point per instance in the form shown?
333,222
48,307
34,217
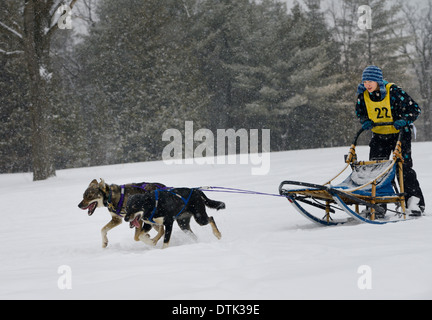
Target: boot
413,207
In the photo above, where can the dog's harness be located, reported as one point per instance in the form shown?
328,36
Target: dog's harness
185,201
118,210
108,203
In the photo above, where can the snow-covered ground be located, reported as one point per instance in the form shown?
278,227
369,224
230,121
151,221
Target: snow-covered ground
50,249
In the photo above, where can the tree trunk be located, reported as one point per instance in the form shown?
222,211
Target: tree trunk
36,44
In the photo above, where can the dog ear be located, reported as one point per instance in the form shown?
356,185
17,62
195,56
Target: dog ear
93,183
102,185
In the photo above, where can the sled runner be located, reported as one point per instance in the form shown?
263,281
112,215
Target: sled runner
370,185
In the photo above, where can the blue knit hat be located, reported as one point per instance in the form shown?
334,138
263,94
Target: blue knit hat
373,73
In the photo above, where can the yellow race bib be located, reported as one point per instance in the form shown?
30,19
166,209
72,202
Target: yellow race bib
380,112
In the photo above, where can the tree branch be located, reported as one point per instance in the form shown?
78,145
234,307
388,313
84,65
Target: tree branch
11,30
10,53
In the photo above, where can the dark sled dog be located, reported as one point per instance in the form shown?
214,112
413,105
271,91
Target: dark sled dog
114,198
162,207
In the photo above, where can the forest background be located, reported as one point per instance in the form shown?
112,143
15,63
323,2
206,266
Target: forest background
102,87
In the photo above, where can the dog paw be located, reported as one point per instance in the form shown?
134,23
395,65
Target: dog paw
141,235
154,241
146,239
104,244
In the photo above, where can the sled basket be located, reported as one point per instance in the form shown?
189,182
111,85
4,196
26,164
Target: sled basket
358,182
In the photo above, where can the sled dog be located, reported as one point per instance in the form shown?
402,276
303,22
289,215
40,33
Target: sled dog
114,198
162,207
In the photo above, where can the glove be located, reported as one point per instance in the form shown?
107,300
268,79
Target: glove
399,124
368,124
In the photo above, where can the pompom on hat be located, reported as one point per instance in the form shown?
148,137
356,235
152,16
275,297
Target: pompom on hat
373,73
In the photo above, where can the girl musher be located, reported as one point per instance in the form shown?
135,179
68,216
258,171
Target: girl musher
380,101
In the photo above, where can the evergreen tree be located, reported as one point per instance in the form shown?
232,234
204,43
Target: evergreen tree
139,79
217,34
14,116
300,80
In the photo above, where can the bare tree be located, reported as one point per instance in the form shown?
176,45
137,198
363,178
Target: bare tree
419,52
32,37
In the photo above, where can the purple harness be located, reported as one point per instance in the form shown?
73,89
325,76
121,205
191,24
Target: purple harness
122,196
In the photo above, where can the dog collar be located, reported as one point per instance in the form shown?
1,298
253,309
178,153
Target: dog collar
110,204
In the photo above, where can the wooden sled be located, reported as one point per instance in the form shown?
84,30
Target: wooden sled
370,185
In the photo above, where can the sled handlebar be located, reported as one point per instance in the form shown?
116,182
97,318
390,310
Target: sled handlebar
374,125
351,156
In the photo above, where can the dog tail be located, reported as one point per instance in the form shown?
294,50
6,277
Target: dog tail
218,205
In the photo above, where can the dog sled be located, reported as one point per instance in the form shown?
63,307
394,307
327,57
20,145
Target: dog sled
365,195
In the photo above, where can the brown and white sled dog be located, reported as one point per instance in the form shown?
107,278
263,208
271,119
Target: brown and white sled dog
114,198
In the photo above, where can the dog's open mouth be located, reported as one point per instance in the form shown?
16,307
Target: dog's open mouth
135,222
91,208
